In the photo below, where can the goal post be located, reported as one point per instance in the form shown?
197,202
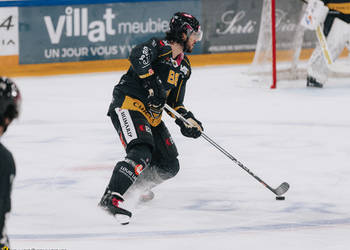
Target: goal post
280,42
273,34
284,46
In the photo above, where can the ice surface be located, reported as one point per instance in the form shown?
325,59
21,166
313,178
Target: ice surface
66,147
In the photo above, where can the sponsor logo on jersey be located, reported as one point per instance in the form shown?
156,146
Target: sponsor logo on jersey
148,129
145,58
135,104
145,128
142,128
169,141
127,125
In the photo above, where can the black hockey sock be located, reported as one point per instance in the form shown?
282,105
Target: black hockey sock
122,178
126,172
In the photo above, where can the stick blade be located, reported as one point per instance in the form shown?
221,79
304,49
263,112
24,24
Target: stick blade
281,189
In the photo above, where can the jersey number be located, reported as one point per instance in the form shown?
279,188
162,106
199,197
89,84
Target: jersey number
173,77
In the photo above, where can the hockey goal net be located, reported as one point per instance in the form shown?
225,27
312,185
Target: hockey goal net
283,45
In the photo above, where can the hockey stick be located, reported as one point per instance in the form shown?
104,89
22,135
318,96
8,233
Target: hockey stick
281,189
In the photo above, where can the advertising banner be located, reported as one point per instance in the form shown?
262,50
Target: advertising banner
233,26
94,32
288,15
8,31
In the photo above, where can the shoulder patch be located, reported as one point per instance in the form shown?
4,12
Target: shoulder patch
184,70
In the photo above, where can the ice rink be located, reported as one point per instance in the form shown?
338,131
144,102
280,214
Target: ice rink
66,147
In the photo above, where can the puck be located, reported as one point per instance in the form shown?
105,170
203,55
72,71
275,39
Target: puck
280,198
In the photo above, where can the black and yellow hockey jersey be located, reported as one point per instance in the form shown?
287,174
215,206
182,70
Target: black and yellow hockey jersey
155,55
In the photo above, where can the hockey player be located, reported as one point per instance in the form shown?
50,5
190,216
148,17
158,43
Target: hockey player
337,30
158,74
9,109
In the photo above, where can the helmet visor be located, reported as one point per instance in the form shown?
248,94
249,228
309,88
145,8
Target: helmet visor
197,35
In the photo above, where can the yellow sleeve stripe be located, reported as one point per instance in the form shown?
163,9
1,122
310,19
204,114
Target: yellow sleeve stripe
165,54
146,75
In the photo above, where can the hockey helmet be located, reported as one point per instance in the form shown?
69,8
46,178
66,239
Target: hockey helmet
183,22
10,100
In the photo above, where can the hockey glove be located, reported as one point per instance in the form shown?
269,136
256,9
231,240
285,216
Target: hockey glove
156,94
194,130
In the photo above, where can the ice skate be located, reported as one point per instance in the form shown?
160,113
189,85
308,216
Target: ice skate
311,82
112,202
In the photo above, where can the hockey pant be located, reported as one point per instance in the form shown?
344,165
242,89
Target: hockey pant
151,155
337,39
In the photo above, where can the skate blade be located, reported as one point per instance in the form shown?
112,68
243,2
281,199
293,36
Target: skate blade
122,219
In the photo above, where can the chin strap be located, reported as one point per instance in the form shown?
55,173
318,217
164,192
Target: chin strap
4,127
185,45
